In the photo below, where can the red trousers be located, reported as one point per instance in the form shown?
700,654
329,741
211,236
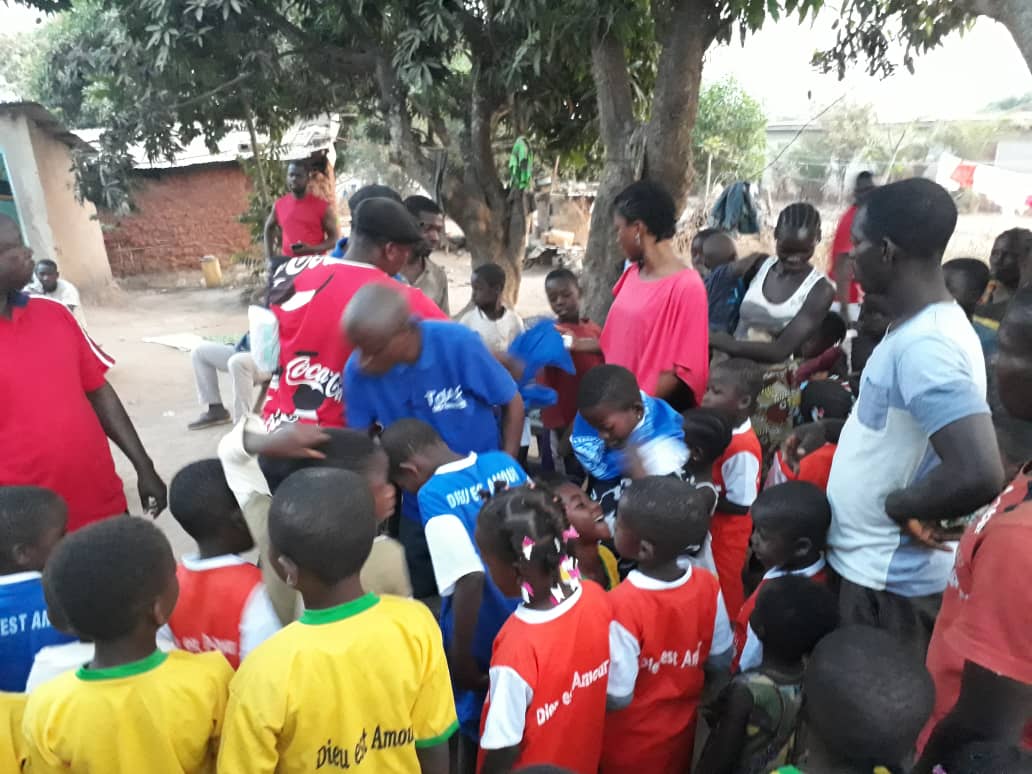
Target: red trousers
730,536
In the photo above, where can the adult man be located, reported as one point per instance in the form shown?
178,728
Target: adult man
59,409
840,270
208,359
438,372
919,446
307,225
1011,251
309,296
48,283
421,272
979,656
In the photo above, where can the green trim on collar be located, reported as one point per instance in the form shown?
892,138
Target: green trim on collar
340,612
153,661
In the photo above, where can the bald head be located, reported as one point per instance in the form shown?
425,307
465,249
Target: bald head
378,323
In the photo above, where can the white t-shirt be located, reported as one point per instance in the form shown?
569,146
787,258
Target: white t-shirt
66,293
497,334
926,374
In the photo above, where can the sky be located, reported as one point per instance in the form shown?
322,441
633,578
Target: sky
955,80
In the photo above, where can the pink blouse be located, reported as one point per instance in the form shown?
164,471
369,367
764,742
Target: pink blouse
658,326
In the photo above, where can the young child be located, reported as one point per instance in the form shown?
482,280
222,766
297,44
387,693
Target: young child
725,287
564,296
867,696
496,323
223,605
707,434
790,527
808,453
822,355
450,489
12,741
132,707
732,390
621,433
757,714
671,631
967,279
359,679
551,660
32,521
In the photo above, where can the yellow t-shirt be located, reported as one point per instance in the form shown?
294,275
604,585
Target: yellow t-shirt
358,686
160,715
12,743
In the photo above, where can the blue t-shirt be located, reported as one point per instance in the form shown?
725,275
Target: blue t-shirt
450,503
455,386
24,628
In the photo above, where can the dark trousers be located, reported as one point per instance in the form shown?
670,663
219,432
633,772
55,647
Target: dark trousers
911,619
417,554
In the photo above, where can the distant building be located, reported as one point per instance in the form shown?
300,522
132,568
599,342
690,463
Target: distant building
37,188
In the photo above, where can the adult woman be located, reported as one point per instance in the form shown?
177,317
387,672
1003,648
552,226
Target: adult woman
784,305
658,325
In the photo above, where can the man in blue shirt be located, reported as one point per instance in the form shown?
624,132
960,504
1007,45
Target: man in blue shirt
439,372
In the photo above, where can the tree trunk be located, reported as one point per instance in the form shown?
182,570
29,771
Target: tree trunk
1016,16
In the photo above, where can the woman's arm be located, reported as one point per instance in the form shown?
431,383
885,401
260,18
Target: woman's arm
797,332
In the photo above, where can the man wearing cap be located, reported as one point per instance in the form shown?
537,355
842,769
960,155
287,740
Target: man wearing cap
308,297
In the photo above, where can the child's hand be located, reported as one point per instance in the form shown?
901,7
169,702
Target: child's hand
292,441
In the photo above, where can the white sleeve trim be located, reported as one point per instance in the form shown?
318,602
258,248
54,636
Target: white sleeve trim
739,473
510,698
624,656
258,622
752,651
663,456
452,552
723,636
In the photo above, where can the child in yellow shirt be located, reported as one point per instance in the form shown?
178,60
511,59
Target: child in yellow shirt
132,708
12,743
359,679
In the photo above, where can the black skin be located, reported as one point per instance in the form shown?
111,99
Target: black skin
142,640
970,473
48,275
723,395
795,251
432,225
297,182
15,272
843,261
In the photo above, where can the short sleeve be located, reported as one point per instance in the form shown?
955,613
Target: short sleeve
994,628
93,361
70,294
625,652
359,407
843,239
452,552
510,698
740,472
433,714
258,622
482,373
249,742
937,385
723,636
690,333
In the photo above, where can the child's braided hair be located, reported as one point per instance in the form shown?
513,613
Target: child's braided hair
528,525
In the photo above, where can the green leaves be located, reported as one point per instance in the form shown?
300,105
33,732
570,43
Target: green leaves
730,137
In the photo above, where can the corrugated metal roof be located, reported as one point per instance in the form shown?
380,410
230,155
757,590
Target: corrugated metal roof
46,121
300,141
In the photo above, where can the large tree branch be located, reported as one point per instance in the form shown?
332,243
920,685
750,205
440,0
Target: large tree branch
1015,15
324,56
613,87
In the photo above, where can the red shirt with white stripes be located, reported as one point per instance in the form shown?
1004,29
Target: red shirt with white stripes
50,434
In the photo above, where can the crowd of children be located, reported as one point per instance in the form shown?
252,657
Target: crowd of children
653,597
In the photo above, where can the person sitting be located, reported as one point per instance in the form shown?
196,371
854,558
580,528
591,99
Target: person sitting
420,272
496,324
659,610
32,521
757,716
210,358
48,283
967,280
379,657
132,707
790,529
223,605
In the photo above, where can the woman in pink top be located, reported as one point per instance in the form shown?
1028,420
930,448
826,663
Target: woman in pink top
658,326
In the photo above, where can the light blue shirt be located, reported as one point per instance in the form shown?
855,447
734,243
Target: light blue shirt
926,374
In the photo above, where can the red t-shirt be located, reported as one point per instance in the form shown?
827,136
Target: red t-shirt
844,244
49,432
310,295
566,385
737,471
300,220
748,648
560,658
670,629
985,614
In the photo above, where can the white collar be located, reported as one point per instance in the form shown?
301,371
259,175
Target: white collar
527,615
642,581
452,467
196,564
745,427
805,572
18,577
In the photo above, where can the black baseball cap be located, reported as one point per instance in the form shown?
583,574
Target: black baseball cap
385,220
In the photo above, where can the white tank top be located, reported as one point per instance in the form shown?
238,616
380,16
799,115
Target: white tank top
760,318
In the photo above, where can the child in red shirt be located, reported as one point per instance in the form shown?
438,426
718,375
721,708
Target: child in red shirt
551,660
223,605
581,337
732,389
790,527
671,630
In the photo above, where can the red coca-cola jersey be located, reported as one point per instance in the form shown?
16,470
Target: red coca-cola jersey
222,607
309,297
